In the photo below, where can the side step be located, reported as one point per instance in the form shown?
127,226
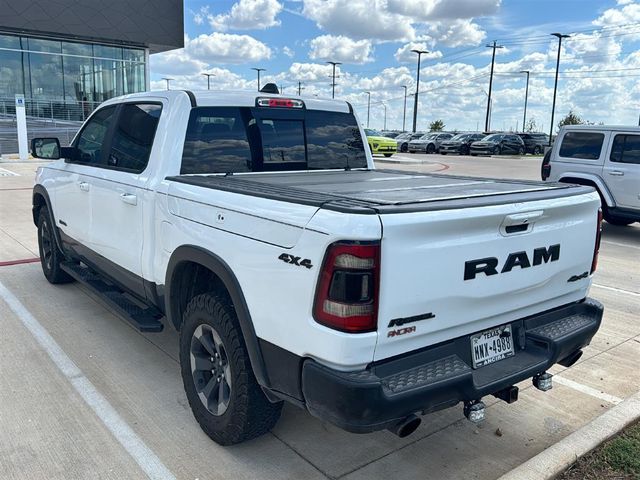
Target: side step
145,319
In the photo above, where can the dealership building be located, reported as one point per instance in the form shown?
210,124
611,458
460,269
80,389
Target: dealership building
67,56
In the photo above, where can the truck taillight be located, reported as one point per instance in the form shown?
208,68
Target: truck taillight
347,293
596,248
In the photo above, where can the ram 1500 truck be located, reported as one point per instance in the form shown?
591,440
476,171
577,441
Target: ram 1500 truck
257,226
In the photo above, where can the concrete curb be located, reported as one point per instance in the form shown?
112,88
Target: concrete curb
560,456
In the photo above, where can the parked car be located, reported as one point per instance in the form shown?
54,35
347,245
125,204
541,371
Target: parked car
429,143
257,226
534,142
403,140
390,134
604,157
378,143
460,144
498,144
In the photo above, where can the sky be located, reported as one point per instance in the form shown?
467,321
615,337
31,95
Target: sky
293,39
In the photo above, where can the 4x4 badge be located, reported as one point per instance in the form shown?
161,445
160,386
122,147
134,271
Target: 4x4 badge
293,260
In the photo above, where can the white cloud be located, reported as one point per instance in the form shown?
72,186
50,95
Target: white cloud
175,62
405,55
288,52
227,48
340,49
457,33
360,19
425,10
629,13
244,15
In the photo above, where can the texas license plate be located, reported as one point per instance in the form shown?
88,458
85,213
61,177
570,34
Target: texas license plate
491,346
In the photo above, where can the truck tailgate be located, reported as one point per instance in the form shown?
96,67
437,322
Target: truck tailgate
454,272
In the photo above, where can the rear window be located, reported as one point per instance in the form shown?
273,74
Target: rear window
584,145
626,149
244,139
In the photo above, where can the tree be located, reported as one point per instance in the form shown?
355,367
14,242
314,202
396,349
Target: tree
531,126
436,126
572,118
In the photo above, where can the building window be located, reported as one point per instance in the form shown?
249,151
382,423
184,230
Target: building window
46,76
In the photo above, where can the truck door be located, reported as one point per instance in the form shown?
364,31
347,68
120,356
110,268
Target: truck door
72,190
118,194
622,170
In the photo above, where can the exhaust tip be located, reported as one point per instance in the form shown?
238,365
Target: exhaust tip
405,427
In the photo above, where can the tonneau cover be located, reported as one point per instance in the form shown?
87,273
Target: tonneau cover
381,191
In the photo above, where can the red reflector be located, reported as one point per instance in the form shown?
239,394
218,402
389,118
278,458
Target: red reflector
596,248
347,292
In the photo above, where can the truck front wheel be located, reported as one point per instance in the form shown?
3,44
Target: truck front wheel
50,254
223,393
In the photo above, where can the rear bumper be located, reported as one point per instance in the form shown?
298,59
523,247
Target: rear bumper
441,376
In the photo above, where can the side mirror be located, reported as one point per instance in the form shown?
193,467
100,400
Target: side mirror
46,148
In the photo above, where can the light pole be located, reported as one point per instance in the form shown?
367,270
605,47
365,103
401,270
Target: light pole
368,107
555,86
300,88
209,75
166,79
526,96
404,111
487,125
385,117
415,103
333,78
258,70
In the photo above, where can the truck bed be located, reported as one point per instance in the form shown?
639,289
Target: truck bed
382,191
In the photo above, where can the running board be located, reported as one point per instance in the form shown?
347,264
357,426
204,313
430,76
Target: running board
144,319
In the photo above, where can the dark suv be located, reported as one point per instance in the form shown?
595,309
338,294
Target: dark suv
498,144
460,143
534,142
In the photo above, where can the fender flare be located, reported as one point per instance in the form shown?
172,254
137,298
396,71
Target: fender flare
209,260
39,190
599,183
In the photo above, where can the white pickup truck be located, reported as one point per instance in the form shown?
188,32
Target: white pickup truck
257,226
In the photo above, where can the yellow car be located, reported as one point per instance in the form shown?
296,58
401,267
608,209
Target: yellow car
380,144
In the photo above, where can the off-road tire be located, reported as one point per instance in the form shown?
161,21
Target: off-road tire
249,413
50,254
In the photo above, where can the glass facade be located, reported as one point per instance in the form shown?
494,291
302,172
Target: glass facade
68,73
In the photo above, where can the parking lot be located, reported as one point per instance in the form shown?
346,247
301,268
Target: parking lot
82,394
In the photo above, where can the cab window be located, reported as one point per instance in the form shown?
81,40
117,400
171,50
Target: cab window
89,144
583,145
626,149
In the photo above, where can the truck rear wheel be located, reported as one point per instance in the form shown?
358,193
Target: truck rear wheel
613,220
223,393
50,254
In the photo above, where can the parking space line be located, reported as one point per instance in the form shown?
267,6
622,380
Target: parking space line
587,390
132,443
617,290
609,242
19,262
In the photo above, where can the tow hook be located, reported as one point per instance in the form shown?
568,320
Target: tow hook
474,411
543,381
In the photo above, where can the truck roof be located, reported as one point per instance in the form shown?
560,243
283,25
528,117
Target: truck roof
236,98
601,128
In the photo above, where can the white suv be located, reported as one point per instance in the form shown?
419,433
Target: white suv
605,157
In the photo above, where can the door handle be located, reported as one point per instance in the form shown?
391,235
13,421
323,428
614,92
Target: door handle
129,198
617,173
84,186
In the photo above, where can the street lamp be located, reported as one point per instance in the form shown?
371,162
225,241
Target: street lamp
333,81
258,70
404,111
209,75
560,36
385,117
526,95
415,103
166,79
368,107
